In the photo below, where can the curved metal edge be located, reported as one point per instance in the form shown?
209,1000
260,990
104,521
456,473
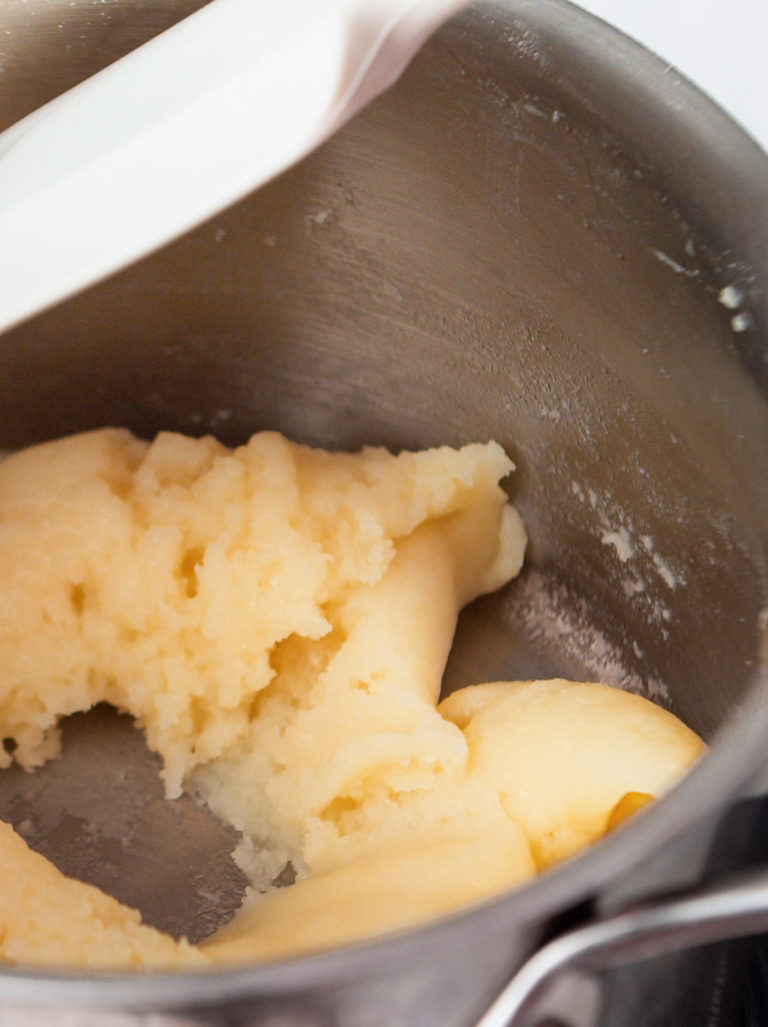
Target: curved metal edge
738,908
720,775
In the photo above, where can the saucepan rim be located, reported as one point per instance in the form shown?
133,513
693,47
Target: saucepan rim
737,755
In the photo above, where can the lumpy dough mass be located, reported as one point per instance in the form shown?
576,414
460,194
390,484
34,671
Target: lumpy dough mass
277,619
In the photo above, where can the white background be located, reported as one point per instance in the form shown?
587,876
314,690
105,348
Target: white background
721,45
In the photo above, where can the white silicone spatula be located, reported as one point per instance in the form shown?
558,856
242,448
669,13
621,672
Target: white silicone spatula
184,126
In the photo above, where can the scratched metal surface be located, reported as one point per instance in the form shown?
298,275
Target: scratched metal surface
535,258
99,813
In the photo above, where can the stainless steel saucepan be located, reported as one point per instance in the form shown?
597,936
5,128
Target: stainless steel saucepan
541,235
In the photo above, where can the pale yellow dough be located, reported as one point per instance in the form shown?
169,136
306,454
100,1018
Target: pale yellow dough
562,755
47,919
277,619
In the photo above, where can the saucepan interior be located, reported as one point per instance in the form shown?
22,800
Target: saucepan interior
521,241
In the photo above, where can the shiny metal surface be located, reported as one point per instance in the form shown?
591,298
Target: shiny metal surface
527,239
734,909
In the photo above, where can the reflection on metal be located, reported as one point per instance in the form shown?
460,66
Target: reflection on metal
736,909
485,272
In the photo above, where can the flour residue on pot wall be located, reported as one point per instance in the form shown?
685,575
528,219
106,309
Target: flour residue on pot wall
644,573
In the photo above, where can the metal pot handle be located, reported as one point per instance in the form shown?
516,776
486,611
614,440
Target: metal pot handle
734,909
